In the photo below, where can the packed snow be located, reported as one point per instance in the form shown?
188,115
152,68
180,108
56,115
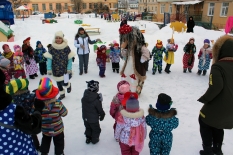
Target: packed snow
184,89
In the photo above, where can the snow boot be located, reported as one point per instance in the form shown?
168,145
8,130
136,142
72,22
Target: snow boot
207,150
167,69
62,95
204,72
88,140
95,141
199,72
117,70
113,70
160,72
35,75
31,76
190,70
44,154
69,88
217,149
80,73
153,73
184,70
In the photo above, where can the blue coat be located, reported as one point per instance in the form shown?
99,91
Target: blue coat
114,55
161,123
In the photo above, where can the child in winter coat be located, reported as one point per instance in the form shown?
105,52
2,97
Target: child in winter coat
162,121
38,53
59,63
52,124
169,59
28,54
131,126
115,57
8,54
189,57
157,54
92,111
101,60
4,67
116,104
204,56
18,63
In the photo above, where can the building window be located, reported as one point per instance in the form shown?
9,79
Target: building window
35,7
66,6
155,10
84,6
115,5
90,5
224,9
50,6
43,7
152,0
152,8
162,8
58,6
170,8
211,9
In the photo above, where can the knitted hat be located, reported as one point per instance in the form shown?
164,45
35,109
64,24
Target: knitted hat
132,103
46,90
2,79
125,29
101,48
26,40
93,86
4,62
159,44
16,85
163,102
123,87
37,43
191,39
207,41
59,34
4,46
116,44
17,48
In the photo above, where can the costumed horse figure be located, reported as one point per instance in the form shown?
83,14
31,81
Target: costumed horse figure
134,69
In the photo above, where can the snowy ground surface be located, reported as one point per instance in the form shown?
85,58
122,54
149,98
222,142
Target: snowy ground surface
184,89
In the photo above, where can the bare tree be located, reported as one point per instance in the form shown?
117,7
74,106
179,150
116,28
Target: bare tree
18,3
78,5
99,7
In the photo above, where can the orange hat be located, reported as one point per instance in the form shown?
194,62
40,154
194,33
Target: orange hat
159,44
26,40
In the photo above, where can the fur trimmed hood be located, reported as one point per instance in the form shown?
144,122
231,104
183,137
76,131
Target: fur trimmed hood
60,46
158,114
137,114
218,52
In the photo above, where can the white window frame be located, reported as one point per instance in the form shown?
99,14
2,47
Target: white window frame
50,6
211,9
35,7
224,9
170,9
164,7
43,6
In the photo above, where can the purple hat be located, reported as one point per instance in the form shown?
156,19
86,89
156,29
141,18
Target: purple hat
206,41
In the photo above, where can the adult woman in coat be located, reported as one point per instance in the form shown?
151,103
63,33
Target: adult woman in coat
190,24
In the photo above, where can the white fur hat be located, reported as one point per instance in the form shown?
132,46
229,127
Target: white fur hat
59,34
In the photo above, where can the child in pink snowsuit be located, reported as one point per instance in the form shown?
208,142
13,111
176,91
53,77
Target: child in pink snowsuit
131,126
116,104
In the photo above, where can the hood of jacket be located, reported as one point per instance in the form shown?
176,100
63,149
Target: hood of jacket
134,119
90,96
5,99
158,114
60,46
222,48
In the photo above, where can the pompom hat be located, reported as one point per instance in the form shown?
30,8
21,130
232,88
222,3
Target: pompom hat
132,103
93,86
125,29
17,48
159,44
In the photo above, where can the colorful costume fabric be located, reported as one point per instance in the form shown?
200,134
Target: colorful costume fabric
157,54
204,56
19,65
171,48
189,57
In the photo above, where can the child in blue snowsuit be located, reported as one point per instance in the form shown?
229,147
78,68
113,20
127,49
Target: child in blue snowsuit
162,121
38,53
115,57
157,54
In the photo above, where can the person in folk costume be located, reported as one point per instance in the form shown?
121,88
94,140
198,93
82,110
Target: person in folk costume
4,67
204,56
18,63
133,70
28,54
189,58
8,54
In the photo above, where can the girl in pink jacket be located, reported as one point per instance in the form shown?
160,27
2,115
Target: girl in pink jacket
116,104
131,126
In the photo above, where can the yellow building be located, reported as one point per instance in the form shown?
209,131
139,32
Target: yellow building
66,5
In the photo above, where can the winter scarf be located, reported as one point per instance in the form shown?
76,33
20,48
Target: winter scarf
8,55
82,35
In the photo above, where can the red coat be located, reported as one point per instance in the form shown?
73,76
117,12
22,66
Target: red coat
101,59
6,73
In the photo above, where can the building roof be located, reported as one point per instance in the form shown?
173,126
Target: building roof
187,2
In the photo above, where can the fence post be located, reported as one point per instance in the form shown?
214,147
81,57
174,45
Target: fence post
211,21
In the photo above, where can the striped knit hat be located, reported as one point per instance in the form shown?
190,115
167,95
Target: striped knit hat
46,90
16,85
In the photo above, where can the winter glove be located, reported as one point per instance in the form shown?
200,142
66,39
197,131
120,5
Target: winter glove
73,59
27,62
98,40
102,117
69,72
82,46
49,72
39,105
100,97
176,47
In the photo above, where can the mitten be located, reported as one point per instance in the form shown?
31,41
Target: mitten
27,62
49,72
102,117
39,105
100,97
176,47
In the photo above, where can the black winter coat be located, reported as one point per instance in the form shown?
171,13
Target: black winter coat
91,107
123,22
190,25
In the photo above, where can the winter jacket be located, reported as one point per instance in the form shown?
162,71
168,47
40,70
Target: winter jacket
59,60
18,61
116,106
7,75
114,55
52,124
91,107
190,25
131,129
170,58
217,110
28,52
157,53
10,57
204,56
190,48
38,53
161,123
101,59
84,41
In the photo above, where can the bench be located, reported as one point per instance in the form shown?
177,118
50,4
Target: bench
92,30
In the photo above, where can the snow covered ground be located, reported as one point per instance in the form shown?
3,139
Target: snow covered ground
184,89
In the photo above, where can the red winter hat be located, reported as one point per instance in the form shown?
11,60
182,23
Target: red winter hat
116,44
26,40
101,48
125,29
5,46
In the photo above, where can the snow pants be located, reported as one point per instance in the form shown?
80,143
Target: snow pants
102,71
43,68
157,64
128,150
19,73
92,131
